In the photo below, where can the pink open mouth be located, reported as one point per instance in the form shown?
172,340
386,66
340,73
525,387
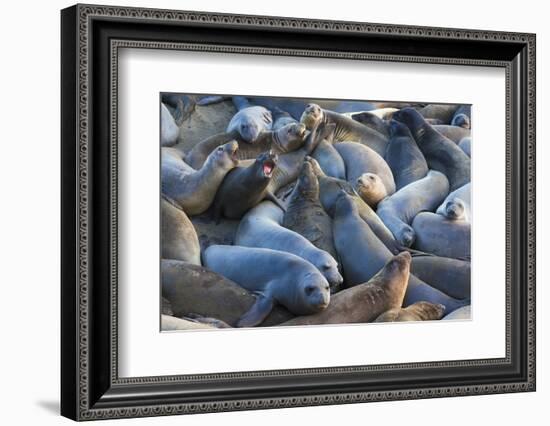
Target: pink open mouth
268,168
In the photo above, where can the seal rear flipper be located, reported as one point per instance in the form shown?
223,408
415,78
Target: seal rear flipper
258,312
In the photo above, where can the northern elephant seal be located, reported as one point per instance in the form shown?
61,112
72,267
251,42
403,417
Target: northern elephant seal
245,187
169,130
329,191
441,153
277,277
405,159
262,227
419,311
367,171
464,313
399,210
372,121
362,255
305,214
194,190
250,121
443,237
457,204
454,133
346,129
451,276
329,160
462,117
179,239
197,291
443,112
465,145
365,302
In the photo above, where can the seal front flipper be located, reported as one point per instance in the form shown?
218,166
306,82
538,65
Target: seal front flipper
258,312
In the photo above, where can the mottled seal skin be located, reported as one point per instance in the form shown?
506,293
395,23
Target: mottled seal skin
440,236
196,291
465,145
346,128
451,276
372,121
362,255
178,236
366,171
305,214
441,153
194,190
399,210
365,302
457,205
462,117
405,159
464,313
250,122
439,111
329,160
419,311
245,187
262,227
329,191
454,133
277,277
169,130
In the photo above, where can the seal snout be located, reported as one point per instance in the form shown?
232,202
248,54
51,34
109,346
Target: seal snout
407,237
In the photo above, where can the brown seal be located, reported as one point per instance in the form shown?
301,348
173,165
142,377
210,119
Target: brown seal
178,236
365,302
419,311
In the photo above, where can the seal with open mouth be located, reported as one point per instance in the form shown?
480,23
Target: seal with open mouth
244,187
194,190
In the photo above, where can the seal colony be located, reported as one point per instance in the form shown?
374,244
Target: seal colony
284,212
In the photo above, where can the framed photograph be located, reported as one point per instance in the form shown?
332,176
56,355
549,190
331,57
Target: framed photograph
263,212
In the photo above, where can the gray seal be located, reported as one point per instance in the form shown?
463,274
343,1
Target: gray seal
194,190
454,133
305,214
329,191
169,130
250,122
245,187
443,237
346,129
329,160
419,311
443,112
405,159
464,313
462,117
399,210
451,276
457,204
179,239
195,291
367,172
365,302
262,227
277,278
373,121
362,255
441,153
465,145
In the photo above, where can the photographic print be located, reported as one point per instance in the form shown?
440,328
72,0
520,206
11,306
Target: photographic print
289,211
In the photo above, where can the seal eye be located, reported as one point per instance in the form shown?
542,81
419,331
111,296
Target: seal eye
309,290
220,149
